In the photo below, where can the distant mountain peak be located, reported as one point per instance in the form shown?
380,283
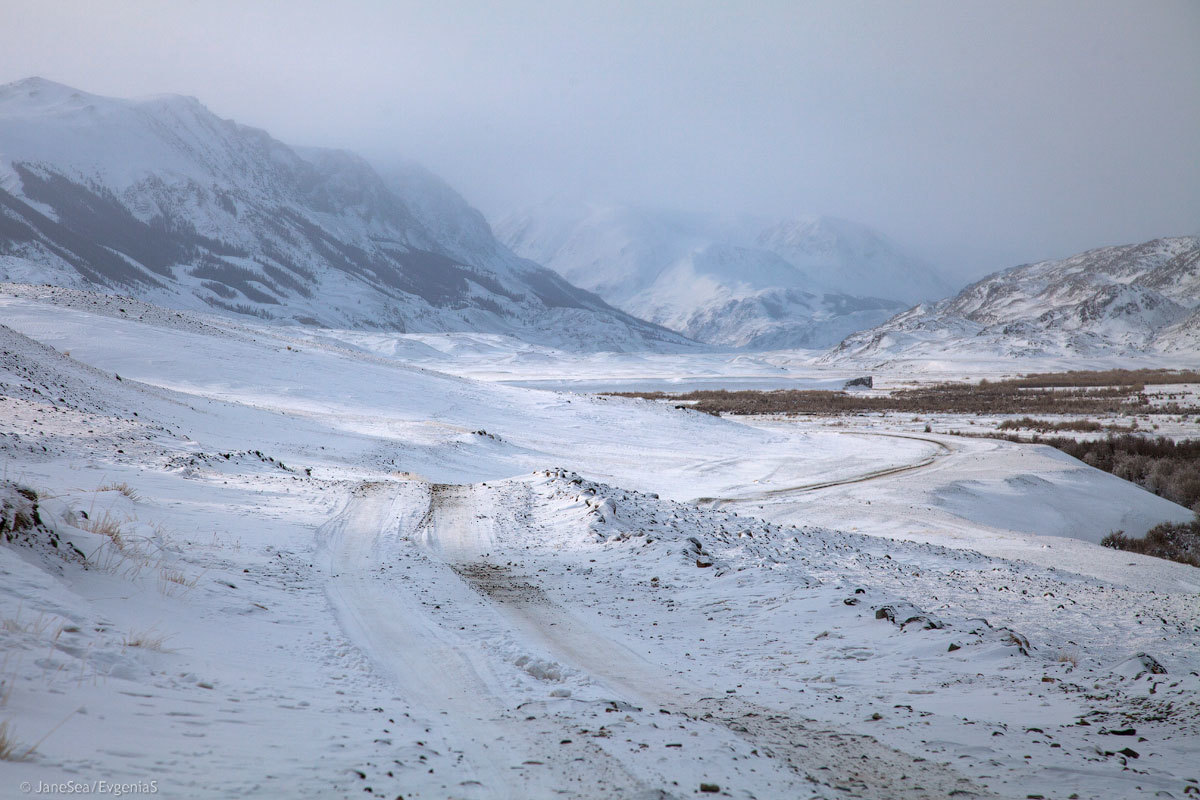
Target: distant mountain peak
36,84
711,278
39,95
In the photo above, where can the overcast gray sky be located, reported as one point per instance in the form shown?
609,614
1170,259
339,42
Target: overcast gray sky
981,134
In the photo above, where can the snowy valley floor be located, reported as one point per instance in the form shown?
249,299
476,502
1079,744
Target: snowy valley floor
310,568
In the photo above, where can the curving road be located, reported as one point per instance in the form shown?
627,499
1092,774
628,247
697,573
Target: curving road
943,450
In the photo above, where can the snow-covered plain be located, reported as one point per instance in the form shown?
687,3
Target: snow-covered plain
317,564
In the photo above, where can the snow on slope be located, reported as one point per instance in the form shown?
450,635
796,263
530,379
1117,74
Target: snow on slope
1183,336
851,258
789,285
732,295
294,611
1112,302
160,198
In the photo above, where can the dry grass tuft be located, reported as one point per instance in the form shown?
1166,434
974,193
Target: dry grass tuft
37,626
176,576
149,639
8,680
1067,658
107,525
123,488
174,580
10,750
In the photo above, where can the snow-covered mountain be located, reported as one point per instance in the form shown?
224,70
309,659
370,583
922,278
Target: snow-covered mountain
853,259
1118,301
161,199
725,294
746,283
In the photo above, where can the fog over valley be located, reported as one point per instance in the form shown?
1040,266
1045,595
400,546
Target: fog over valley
600,401
977,136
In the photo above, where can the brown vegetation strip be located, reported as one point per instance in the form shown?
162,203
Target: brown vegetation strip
1107,392
943,398
1177,541
1108,377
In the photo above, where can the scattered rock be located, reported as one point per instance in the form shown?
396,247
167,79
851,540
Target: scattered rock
903,614
21,525
1014,639
1138,665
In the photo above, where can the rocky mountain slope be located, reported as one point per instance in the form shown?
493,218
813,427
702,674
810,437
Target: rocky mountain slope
161,199
746,283
1122,301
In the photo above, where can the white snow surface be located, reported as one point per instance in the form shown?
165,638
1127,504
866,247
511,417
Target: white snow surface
315,564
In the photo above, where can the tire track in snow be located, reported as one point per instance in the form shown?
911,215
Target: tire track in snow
440,673
838,764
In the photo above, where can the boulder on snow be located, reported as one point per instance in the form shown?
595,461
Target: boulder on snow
1138,665
21,525
605,509
904,613
1011,638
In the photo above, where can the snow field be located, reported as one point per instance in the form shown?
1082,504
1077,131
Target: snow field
330,581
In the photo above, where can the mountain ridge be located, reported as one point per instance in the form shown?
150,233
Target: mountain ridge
1117,300
159,197
735,283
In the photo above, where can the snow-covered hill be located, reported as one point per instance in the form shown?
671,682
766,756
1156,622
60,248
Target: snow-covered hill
161,199
1113,301
748,283
248,559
